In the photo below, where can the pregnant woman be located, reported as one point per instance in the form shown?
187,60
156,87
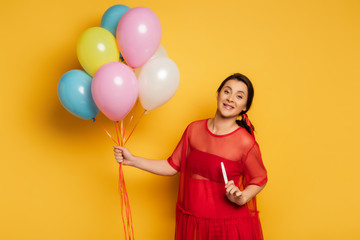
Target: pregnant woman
207,208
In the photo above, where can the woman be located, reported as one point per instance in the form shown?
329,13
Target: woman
205,208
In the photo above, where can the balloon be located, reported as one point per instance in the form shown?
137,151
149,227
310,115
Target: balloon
112,16
74,91
158,81
160,52
115,90
138,35
96,47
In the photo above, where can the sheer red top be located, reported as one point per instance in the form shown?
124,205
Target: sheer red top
203,210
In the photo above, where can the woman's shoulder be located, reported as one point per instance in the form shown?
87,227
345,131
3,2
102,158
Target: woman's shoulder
198,122
245,138
196,125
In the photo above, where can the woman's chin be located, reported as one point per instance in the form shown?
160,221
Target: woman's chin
228,115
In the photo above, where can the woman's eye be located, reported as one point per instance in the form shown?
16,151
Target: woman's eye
226,91
239,96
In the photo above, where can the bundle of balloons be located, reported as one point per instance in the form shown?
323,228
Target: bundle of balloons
123,62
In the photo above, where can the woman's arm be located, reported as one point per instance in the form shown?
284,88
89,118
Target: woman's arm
255,172
234,194
159,167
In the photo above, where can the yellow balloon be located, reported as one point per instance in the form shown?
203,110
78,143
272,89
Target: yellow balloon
95,47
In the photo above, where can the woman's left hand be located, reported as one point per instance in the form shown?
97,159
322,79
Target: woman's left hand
234,194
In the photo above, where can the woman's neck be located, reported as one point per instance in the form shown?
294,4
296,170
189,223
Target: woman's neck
222,125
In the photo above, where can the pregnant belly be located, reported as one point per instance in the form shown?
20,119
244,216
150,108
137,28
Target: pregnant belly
204,198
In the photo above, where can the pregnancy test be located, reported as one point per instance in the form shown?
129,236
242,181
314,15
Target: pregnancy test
224,173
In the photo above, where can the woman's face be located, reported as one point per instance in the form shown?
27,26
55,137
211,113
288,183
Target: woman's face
232,98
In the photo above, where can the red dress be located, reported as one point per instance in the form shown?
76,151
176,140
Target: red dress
203,211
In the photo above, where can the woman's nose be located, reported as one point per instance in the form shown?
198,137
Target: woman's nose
229,98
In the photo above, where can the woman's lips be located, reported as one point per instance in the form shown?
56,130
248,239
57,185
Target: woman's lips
227,106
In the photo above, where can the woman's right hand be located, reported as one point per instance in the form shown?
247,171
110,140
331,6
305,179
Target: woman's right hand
123,155
160,167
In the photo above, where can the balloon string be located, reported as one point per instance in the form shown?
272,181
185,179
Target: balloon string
124,136
129,211
132,228
131,118
122,202
135,126
127,218
122,188
136,103
106,132
128,229
117,133
122,132
127,205
132,114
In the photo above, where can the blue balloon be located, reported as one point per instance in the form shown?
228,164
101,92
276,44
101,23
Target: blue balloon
112,17
74,91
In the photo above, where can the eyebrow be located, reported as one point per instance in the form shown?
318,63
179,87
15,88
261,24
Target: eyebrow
237,91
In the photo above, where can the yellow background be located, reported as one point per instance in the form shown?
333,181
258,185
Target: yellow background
58,177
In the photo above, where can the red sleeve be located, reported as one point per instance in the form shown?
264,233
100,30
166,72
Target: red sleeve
179,152
255,171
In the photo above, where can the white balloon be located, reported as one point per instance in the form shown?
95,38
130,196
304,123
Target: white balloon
160,52
158,81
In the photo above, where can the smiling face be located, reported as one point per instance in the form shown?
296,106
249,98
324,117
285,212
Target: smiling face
232,98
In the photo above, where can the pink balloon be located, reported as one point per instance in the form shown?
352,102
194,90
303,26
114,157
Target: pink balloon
115,90
138,35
